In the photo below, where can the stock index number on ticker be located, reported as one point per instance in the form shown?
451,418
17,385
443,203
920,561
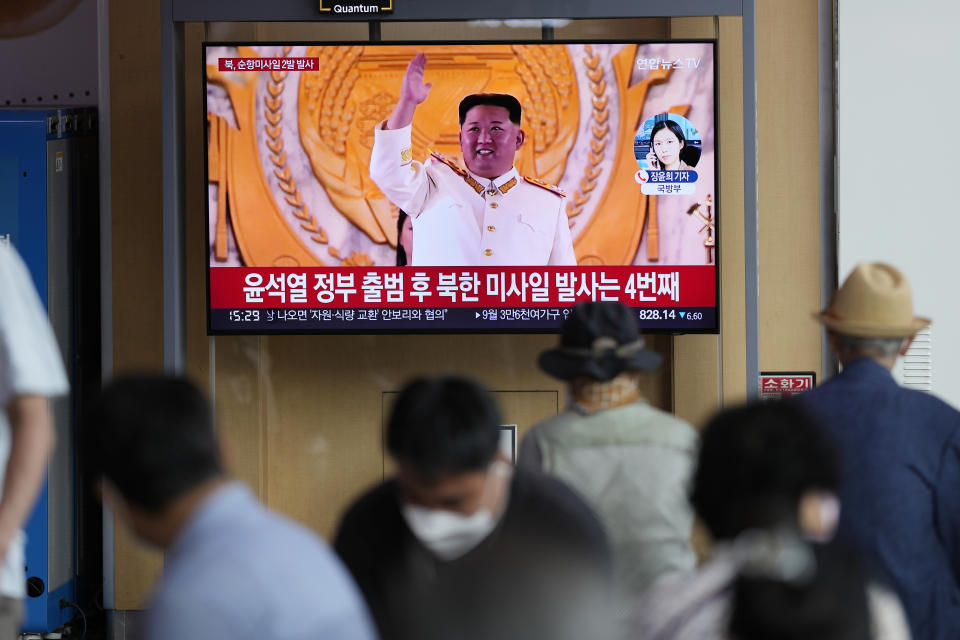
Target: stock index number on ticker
669,314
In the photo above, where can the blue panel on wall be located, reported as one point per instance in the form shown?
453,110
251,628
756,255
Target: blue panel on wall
9,202
23,149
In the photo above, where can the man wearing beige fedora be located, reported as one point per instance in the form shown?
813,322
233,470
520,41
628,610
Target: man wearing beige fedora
900,488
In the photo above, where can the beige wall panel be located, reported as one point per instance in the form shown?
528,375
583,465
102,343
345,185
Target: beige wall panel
195,216
527,408
238,396
135,194
626,29
136,186
231,31
323,410
696,377
322,426
289,31
730,137
323,406
313,31
696,358
789,184
657,386
493,30
696,27
136,568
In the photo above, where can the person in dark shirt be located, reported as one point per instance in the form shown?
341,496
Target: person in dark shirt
900,487
459,545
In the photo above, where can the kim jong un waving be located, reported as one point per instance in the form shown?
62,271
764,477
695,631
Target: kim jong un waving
484,215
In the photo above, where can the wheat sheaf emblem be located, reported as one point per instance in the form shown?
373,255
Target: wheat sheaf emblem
273,113
599,130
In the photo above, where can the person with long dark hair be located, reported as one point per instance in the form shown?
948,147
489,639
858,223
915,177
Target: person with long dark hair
666,147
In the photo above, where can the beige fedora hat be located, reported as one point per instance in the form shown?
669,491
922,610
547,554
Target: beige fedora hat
875,301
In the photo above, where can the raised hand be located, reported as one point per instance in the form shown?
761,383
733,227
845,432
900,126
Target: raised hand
413,91
413,88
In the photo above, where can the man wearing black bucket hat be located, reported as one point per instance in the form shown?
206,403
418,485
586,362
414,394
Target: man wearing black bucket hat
631,461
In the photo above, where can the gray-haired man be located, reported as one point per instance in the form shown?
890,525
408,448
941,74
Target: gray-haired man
900,488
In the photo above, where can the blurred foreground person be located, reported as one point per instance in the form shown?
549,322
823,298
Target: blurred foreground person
901,448
765,479
631,461
460,546
794,591
232,568
30,371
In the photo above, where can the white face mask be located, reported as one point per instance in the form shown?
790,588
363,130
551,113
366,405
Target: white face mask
446,533
449,534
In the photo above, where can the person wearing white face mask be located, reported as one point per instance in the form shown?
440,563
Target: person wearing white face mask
460,545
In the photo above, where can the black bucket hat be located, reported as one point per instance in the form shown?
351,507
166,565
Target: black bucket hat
599,340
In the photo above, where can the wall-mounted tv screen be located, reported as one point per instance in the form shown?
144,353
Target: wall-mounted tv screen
463,187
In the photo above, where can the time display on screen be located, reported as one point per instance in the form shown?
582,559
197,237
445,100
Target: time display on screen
245,315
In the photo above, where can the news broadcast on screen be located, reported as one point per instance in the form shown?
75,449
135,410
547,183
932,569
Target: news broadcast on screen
460,187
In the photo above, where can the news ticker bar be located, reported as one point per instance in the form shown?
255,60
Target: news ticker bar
280,320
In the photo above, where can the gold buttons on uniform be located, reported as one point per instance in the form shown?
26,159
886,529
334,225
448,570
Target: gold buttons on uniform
488,252
494,205
491,228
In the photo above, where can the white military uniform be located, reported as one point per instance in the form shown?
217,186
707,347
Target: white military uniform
462,219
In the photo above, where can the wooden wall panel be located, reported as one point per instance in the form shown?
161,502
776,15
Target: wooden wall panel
457,31
697,373
135,192
303,415
195,213
322,426
238,394
624,28
789,184
696,27
730,138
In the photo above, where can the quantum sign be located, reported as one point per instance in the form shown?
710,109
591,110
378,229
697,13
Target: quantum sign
355,7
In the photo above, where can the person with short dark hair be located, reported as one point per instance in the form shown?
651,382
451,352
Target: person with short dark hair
459,545
631,461
901,486
484,215
757,466
232,568
764,485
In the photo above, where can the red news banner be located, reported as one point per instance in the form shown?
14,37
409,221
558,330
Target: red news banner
268,64
415,287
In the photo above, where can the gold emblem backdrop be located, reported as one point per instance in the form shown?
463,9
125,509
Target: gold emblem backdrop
289,151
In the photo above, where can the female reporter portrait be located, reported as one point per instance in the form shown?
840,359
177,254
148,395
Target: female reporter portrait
667,144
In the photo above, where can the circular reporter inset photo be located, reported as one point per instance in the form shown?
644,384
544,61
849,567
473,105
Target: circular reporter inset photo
667,142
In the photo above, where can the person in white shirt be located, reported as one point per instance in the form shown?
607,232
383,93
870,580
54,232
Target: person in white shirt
484,215
31,371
